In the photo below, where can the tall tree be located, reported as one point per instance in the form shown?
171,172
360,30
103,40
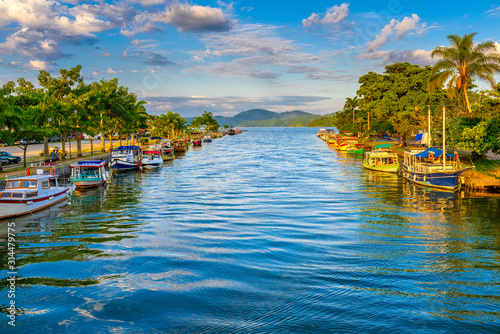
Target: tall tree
462,62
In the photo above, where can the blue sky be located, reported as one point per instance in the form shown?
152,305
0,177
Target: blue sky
227,57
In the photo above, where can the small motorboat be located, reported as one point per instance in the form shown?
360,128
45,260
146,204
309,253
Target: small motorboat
87,174
207,138
196,142
151,160
30,193
126,158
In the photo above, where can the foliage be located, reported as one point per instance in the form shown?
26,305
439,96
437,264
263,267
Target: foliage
167,125
462,62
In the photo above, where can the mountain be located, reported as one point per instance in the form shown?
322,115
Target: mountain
281,122
261,117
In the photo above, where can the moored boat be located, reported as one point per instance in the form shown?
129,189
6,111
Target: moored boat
151,160
126,158
381,161
432,168
87,174
207,138
196,142
30,193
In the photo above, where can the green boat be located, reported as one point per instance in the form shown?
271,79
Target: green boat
381,161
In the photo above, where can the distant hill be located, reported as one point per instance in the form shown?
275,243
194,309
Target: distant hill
266,118
281,122
323,121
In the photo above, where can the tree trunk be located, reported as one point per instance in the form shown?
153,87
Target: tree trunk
120,139
369,121
111,141
63,147
78,144
1,167
46,153
353,115
24,152
91,145
103,142
469,110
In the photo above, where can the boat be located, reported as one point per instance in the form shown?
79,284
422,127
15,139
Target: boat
428,168
433,167
180,146
166,148
87,174
151,160
381,161
125,158
356,149
30,193
196,142
207,138
231,132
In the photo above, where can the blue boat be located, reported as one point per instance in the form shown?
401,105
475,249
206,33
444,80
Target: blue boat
207,138
126,158
431,168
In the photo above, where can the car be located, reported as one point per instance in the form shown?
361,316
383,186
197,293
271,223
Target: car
12,159
4,161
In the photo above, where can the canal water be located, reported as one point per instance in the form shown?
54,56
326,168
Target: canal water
265,232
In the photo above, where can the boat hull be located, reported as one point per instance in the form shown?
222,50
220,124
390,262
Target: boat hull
85,183
124,166
440,180
386,169
153,165
14,208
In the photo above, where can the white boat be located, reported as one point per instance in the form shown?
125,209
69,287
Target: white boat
207,138
126,158
30,193
86,174
151,160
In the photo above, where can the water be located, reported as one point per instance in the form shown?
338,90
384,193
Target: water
266,232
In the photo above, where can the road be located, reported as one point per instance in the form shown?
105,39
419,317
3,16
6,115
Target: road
35,149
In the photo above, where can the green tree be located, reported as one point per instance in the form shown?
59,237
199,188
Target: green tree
462,62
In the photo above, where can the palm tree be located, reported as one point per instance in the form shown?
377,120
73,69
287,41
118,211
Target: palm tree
462,62
351,104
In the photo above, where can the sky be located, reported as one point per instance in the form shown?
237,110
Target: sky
228,57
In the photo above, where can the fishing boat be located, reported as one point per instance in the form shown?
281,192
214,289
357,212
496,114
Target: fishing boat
87,174
126,158
207,138
30,193
432,168
356,149
166,148
381,161
231,132
196,142
180,146
151,160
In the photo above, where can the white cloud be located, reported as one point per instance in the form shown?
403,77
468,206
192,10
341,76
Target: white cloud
194,18
111,71
336,14
420,57
395,29
333,15
38,64
311,20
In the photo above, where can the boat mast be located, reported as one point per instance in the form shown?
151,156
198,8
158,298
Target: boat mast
428,126
444,138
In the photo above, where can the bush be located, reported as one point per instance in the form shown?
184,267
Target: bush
144,141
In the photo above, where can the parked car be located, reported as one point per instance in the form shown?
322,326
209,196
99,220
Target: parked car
12,159
4,161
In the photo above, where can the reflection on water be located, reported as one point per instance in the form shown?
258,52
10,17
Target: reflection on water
254,234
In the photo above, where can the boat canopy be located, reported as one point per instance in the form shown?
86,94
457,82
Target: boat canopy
89,163
383,146
156,138
436,151
152,152
127,148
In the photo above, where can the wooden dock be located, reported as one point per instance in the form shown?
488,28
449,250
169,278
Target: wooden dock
476,181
